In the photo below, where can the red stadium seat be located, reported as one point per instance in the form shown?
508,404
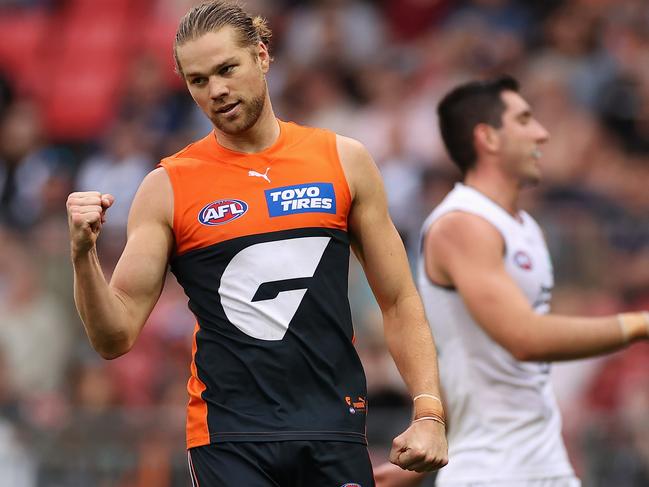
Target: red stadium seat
24,32
95,39
101,9
158,38
82,99
74,59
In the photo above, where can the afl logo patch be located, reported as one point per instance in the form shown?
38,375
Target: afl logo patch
523,260
351,485
222,211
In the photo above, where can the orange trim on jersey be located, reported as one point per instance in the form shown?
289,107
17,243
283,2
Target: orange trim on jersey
197,430
206,172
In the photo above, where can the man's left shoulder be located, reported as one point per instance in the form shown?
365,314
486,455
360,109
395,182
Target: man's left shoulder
352,151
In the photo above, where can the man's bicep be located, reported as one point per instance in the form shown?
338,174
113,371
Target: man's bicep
140,273
375,240
472,253
141,269
384,261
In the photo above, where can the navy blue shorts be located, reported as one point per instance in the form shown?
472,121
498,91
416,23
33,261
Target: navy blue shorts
281,464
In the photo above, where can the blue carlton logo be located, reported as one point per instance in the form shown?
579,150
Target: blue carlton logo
302,198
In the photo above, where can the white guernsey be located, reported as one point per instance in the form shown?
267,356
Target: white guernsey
486,280
502,413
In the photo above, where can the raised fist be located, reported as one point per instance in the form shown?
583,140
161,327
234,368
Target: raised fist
86,214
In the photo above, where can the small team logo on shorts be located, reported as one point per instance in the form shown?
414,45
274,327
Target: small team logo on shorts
353,484
523,260
222,211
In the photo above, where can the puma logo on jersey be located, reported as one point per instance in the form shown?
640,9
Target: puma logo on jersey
222,211
260,175
301,198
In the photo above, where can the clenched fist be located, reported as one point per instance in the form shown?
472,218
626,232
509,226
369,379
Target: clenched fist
421,448
86,214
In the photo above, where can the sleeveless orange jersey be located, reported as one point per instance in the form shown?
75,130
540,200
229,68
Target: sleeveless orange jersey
262,252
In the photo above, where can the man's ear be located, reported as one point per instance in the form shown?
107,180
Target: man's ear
264,56
486,138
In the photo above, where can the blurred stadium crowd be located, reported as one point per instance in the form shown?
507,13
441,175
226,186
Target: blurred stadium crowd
89,101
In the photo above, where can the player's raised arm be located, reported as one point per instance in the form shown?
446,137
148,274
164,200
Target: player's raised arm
113,314
466,251
380,250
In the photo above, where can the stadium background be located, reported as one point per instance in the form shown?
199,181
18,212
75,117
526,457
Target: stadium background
88,100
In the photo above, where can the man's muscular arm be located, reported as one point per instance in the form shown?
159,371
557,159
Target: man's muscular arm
113,313
465,251
377,245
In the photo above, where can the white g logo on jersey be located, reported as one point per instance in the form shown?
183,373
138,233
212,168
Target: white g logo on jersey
268,262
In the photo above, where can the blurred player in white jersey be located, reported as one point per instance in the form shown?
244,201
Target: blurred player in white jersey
486,280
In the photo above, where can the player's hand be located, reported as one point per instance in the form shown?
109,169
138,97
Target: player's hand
422,447
389,475
86,214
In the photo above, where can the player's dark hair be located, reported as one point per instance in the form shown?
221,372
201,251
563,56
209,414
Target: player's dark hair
215,14
466,106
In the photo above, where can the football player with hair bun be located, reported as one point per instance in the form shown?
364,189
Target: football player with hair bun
257,220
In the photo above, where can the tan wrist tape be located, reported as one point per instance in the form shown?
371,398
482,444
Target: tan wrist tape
634,325
426,405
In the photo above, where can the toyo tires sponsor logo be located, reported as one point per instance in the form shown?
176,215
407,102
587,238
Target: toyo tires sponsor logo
222,211
301,198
